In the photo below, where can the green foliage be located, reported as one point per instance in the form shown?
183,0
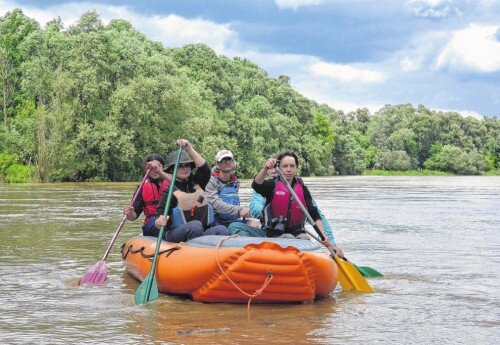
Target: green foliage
456,160
393,160
88,103
18,173
6,160
421,172
349,158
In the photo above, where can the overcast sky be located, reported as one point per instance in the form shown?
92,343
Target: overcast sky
350,54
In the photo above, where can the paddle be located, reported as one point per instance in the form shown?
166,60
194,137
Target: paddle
148,290
367,272
97,274
349,276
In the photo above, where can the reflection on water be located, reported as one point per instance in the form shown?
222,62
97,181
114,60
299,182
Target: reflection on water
434,238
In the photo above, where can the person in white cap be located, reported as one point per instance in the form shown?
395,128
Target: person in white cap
222,192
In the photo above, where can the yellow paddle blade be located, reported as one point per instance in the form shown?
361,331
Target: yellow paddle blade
350,278
344,282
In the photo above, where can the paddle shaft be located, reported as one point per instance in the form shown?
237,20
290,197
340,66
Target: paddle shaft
162,229
124,218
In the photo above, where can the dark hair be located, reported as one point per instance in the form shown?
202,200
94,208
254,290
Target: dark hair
155,157
286,153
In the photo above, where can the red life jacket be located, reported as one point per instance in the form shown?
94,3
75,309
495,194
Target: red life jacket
283,204
151,196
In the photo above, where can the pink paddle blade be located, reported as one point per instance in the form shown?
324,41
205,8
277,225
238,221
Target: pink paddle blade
95,275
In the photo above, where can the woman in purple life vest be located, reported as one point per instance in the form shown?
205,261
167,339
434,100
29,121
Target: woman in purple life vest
283,215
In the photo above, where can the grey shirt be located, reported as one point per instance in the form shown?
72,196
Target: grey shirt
212,192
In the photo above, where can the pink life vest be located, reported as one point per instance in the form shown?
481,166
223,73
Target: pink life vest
151,196
283,204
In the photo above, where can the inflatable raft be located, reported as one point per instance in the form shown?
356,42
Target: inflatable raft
235,269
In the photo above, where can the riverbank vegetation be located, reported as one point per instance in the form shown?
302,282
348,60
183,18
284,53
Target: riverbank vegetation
86,103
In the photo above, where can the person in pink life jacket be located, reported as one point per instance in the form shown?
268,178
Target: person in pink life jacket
147,201
283,215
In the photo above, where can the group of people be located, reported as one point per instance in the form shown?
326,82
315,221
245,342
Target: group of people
206,201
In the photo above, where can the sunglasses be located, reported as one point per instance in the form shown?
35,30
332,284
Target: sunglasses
184,165
226,160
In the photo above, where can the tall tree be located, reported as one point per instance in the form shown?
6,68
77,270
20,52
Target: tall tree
14,28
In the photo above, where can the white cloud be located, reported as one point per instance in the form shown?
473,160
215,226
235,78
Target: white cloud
463,113
176,31
407,64
346,73
171,30
334,98
294,4
475,48
433,8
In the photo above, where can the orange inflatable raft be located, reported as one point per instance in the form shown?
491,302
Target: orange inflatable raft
234,269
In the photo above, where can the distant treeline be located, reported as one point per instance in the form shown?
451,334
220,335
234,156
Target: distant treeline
87,103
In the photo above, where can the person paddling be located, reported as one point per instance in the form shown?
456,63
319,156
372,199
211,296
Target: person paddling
258,202
282,215
148,199
189,215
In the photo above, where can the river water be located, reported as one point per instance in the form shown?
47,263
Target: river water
436,239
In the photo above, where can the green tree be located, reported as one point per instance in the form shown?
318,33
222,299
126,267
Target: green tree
456,160
14,28
348,156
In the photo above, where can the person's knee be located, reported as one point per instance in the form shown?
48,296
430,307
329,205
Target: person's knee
237,228
195,227
286,235
195,224
149,229
303,236
219,230
253,222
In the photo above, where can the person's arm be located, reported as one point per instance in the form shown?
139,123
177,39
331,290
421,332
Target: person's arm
133,212
202,175
326,225
160,209
160,219
195,156
257,204
212,193
310,205
265,189
313,212
261,176
327,231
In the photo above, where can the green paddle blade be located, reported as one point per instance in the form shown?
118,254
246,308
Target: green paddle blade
368,272
146,292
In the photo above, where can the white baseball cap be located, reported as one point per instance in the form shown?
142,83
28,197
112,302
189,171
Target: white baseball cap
223,154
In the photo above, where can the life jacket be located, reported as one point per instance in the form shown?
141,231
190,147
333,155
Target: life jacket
284,209
151,196
192,206
228,194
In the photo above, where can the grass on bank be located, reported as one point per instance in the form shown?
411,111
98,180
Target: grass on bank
423,172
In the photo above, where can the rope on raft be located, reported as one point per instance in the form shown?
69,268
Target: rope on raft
147,256
257,292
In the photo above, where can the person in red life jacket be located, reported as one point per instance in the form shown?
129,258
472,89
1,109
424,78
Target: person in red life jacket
147,201
283,216
190,214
